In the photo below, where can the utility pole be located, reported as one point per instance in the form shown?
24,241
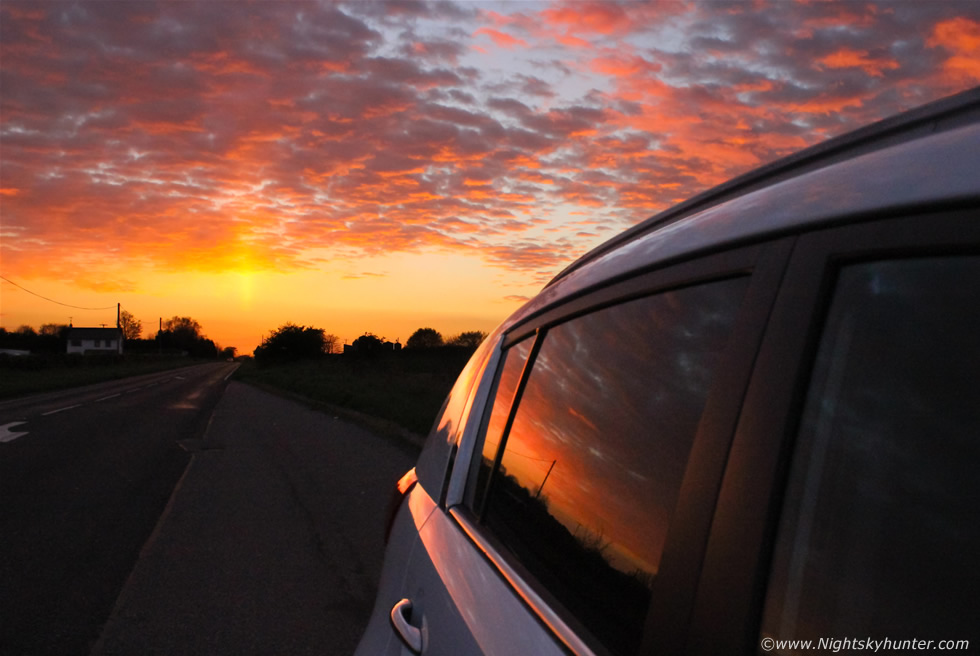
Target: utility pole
545,478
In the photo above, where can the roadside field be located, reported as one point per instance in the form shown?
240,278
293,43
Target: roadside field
406,387
31,374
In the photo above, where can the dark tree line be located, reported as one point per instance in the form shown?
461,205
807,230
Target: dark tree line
183,334
291,342
424,338
51,338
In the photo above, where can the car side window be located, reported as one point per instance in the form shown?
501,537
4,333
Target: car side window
586,485
506,387
879,534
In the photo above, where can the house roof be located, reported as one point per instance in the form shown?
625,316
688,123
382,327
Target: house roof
94,333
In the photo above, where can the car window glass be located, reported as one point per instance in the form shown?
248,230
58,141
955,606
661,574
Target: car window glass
593,462
879,535
510,375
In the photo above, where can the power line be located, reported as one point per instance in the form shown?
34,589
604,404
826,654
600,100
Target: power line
54,301
523,455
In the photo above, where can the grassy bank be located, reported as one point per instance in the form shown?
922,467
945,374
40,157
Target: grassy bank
406,387
31,374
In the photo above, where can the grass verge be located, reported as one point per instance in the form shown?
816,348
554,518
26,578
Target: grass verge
32,374
406,388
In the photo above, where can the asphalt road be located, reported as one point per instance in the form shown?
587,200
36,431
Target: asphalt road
84,477
272,542
182,514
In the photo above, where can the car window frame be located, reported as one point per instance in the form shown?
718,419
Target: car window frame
727,610
764,264
439,450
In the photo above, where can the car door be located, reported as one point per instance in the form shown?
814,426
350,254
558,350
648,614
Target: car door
847,513
389,627
586,476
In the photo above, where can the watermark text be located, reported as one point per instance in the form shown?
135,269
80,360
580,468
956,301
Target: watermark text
874,645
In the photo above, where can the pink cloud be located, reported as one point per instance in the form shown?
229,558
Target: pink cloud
502,39
847,58
961,38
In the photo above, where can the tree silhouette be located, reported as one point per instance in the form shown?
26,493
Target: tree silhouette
49,339
368,343
181,332
131,326
184,334
471,339
424,338
52,329
290,342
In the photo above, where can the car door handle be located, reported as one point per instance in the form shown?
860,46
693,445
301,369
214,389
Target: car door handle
414,638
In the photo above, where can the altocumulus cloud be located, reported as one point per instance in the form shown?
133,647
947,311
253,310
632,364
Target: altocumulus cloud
271,135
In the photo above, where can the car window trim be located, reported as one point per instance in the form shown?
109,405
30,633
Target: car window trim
673,598
514,404
455,488
520,582
727,610
731,263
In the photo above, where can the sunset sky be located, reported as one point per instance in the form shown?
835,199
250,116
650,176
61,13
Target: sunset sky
384,166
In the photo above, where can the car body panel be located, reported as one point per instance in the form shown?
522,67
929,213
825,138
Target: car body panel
379,638
466,602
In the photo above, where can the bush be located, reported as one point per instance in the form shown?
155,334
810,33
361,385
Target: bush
290,343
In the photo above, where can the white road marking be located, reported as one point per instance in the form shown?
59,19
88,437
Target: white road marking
231,373
7,435
53,412
106,398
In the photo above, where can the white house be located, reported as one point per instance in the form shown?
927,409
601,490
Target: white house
95,340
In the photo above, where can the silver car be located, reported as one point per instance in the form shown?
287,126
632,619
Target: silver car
748,424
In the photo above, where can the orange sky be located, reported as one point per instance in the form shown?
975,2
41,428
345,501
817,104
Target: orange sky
386,166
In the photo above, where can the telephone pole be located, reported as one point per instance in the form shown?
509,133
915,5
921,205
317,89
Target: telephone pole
545,478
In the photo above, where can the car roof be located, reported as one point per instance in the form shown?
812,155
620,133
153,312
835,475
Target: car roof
922,158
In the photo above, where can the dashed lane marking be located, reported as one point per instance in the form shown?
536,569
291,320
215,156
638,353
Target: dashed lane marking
54,412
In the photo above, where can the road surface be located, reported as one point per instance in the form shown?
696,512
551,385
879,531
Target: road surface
271,541
84,477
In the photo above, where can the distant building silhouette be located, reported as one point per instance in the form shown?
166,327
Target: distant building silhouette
90,341
368,343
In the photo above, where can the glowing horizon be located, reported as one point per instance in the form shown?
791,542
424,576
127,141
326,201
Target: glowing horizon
381,167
